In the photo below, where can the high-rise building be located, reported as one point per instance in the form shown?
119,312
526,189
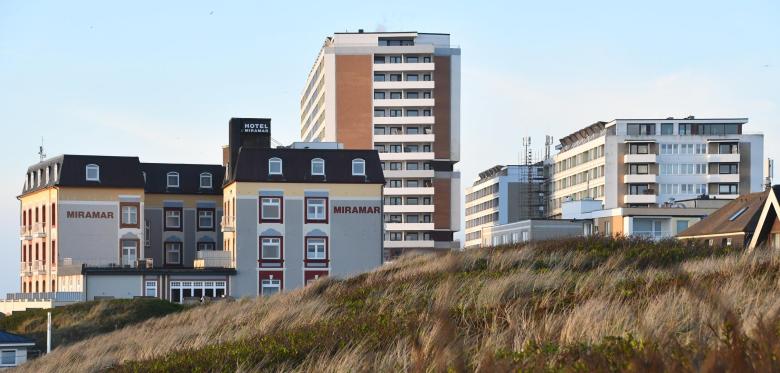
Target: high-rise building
639,176
398,93
502,195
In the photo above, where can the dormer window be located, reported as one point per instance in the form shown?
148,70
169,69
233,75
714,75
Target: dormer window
274,166
318,166
39,177
93,172
358,167
48,174
172,180
56,173
205,180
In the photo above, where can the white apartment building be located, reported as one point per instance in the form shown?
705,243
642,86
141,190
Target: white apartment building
502,195
398,93
647,164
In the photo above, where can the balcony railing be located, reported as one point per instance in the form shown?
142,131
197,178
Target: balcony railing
25,232
57,296
653,235
39,229
25,268
228,223
214,259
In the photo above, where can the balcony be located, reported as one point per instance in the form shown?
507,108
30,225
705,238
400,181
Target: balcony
39,230
404,138
408,191
25,269
723,158
405,66
389,174
639,158
723,178
640,198
640,178
409,226
404,120
25,233
38,267
421,244
416,102
59,296
406,156
407,208
214,259
652,235
404,84
228,223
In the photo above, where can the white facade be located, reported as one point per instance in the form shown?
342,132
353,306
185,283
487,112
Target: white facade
653,162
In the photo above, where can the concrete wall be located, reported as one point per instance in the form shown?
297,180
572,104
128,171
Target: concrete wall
127,286
356,240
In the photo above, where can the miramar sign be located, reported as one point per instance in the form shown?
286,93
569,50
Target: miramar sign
90,215
263,128
356,209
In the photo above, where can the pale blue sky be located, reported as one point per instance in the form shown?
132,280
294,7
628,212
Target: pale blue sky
161,79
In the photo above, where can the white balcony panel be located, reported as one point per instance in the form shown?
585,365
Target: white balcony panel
420,84
409,244
408,191
639,158
404,138
395,174
723,158
407,208
640,178
640,198
409,226
416,102
723,178
404,120
724,196
419,156
406,66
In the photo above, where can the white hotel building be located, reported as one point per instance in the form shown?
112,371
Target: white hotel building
398,93
633,176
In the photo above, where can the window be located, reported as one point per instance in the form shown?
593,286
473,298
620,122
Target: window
270,287
395,236
359,167
173,253
667,128
395,59
379,59
638,129
274,166
150,288
738,213
412,77
93,172
129,215
393,183
316,248
727,189
206,246
395,77
426,59
395,112
393,166
173,219
412,94
728,149
427,112
427,94
638,149
317,166
727,168
412,59
206,219
685,129
412,201
270,248
271,209
379,130
53,215
427,77
394,148
412,130
379,112
129,251
205,180
682,225
412,218
379,95
412,113
395,95
8,357
412,166
638,169
379,77
392,200
316,209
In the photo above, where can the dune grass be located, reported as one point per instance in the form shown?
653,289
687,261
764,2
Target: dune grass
595,304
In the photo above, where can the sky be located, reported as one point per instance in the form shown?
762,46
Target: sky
160,80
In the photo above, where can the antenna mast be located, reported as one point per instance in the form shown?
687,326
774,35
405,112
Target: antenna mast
41,152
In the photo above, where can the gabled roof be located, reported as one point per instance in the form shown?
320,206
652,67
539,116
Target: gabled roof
252,166
14,339
115,172
189,178
726,220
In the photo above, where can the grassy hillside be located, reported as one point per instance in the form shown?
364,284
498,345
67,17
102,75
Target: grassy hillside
84,320
569,305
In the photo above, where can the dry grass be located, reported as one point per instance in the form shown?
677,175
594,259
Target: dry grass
571,305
